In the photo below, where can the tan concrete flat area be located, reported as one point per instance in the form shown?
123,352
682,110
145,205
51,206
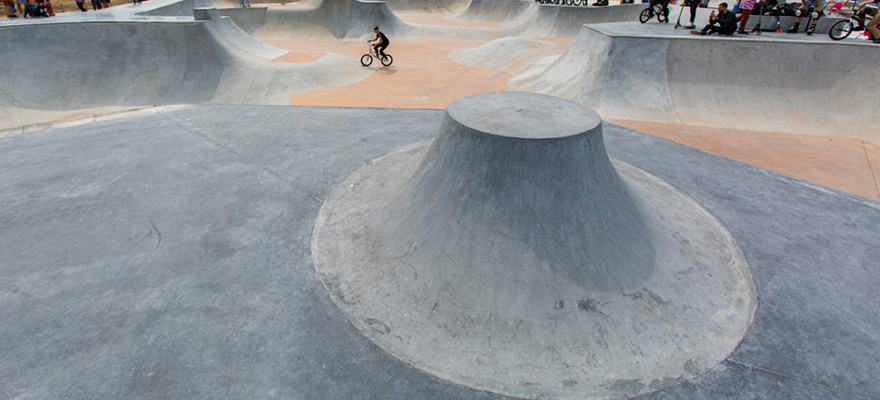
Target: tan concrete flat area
847,165
422,76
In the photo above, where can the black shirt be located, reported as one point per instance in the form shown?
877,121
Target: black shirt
384,38
726,20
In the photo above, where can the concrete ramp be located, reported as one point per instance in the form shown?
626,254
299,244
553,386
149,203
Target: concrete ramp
150,63
493,10
547,20
771,83
509,54
332,19
235,36
427,6
511,255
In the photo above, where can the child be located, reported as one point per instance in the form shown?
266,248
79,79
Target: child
47,7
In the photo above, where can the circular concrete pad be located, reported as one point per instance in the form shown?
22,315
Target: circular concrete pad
470,299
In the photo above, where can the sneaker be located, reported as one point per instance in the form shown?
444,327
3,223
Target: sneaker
742,32
690,26
695,32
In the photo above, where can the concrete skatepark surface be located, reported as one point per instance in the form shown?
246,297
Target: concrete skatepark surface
167,255
160,198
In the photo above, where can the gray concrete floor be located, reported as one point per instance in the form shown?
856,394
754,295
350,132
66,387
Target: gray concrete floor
166,255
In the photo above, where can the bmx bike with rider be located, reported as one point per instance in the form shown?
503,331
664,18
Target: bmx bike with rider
658,8
367,59
842,29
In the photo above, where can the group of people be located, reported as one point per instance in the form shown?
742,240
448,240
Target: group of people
43,8
28,8
726,22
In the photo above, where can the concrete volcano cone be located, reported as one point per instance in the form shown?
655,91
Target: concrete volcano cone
512,255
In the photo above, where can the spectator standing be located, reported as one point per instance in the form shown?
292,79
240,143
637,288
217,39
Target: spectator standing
9,5
807,7
746,6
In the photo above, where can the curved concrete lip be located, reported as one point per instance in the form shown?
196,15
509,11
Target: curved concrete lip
544,118
480,311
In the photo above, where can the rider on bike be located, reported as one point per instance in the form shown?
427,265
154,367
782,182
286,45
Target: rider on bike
381,42
872,8
664,3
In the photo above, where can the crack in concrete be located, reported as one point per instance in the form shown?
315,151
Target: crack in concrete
217,141
871,169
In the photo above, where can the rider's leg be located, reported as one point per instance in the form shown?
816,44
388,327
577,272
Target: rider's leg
819,13
381,50
872,26
797,21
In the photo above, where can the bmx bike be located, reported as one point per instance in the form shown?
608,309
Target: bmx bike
842,29
652,11
367,59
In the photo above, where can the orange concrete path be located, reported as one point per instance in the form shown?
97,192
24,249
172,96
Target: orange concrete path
847,165
422,76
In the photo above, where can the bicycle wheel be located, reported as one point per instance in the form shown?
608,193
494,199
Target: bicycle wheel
663,16
387,60
645,15
840,30
576,2
366,60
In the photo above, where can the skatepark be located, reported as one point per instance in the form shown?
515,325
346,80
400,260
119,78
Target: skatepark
533,201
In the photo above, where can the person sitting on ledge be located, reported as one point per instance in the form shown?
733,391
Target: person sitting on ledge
32,9
725,20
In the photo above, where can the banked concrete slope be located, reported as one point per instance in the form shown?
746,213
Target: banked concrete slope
304,20
771,85
494,10
548,20
149,63
339,19
427,6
